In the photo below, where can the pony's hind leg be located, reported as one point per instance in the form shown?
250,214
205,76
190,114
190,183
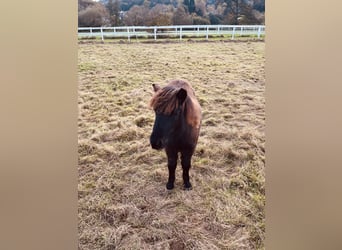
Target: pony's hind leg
172,158
186,165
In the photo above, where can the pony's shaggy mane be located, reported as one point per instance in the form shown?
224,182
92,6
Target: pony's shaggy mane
165,101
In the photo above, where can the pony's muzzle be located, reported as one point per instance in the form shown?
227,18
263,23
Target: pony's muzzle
156,144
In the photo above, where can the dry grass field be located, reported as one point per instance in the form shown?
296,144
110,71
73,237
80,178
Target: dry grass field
123,202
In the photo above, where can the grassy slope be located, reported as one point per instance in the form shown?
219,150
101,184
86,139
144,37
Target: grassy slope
123,203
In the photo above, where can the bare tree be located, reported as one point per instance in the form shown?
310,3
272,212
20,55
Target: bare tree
238,12
94,15
181,17
136,16
113,7
201,9
247,15
160,15
83,4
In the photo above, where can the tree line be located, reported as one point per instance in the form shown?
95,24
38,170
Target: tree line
170,12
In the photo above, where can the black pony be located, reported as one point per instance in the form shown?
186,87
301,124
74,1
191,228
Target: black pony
176,127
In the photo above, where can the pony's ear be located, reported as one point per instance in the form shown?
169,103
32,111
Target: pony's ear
181,95
156,87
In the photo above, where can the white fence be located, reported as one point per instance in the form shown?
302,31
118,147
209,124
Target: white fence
180,32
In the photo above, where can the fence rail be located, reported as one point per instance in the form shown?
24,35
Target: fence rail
180,32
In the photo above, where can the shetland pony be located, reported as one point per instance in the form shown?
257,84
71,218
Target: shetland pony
176,126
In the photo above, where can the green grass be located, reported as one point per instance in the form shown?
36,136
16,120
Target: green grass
123,202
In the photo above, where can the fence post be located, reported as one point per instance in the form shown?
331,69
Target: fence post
206,36
180,33
128,36
198,31
102,34
233,33
155,33
259,32
241,30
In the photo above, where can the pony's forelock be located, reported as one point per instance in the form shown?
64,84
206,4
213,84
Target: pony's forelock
165,100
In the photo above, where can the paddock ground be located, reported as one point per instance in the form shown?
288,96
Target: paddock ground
123,202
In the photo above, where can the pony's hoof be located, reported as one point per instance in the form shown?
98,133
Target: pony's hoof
169,186
187,186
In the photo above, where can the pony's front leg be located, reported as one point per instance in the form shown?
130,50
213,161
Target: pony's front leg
186,165
172,158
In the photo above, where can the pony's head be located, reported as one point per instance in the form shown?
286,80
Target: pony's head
168,104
